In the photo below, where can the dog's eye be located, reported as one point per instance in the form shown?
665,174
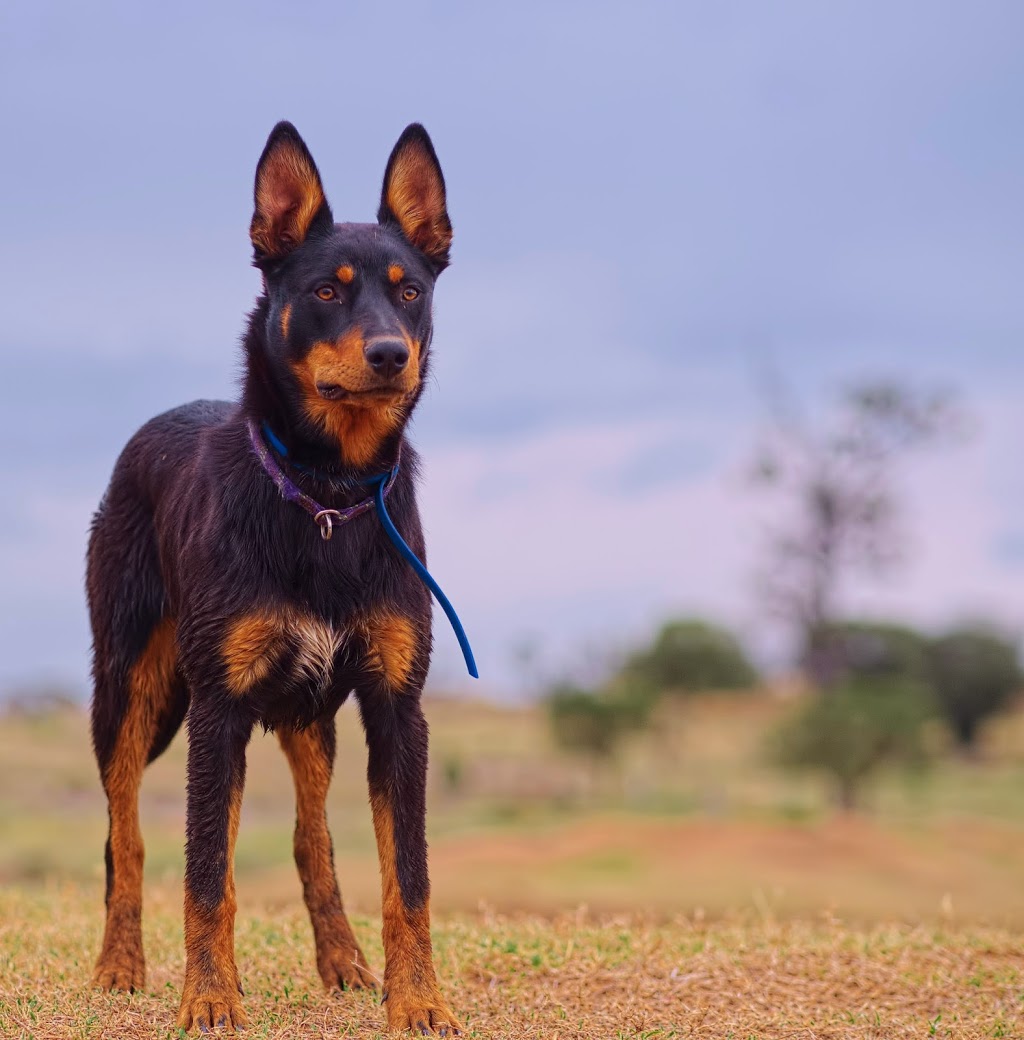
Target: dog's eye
325,292
409,293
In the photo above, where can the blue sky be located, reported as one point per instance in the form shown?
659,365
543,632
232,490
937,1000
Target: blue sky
654,205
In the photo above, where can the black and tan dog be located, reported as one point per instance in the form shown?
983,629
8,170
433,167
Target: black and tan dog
212,595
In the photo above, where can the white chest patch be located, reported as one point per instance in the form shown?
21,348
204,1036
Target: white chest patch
317,645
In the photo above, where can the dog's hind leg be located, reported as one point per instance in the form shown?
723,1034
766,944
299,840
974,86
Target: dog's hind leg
138,703
310,754
155,702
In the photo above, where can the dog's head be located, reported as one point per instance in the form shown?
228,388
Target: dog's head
348,315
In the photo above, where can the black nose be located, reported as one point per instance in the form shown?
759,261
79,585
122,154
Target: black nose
387,357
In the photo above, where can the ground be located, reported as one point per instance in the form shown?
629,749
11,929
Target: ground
686,890
574,976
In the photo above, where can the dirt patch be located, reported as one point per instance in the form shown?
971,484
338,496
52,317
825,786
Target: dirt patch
855,869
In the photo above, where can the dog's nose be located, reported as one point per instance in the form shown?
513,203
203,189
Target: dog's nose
387,357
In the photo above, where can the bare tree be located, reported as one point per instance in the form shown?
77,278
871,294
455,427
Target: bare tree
838,477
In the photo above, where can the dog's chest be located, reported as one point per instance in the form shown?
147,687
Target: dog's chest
289,648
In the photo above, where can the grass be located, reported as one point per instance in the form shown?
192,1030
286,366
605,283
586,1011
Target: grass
573,976
690,891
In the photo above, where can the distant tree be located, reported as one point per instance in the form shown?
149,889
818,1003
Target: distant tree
861,726
839,478
974,672
526,653
692,655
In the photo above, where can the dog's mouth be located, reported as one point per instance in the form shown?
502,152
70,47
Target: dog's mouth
337,392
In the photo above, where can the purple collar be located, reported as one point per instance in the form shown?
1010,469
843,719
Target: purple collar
325,518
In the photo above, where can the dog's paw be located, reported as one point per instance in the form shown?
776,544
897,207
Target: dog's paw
344,967
425,1014
211,1010
120,970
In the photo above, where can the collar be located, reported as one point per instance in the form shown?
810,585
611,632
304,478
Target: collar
290,492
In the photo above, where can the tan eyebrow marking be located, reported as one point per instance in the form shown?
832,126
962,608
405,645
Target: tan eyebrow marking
396,272
346,273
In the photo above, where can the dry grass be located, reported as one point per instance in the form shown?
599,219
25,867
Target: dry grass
524,976
725,900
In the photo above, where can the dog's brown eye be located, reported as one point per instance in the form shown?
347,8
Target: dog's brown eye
325,292
409,294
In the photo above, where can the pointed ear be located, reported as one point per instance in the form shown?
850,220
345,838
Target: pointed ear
289,196
413,198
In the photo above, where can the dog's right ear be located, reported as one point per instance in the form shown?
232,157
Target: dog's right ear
289,196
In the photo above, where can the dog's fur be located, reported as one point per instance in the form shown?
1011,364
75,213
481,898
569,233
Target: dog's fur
211,595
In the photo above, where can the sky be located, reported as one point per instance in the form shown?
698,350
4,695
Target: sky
657,208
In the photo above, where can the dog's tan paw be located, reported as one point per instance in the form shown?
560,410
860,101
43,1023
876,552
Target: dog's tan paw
211,1010
425,1014
344,967
120,970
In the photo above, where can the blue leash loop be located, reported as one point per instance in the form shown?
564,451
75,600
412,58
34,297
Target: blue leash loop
381,484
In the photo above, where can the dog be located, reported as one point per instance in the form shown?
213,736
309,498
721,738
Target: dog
218,593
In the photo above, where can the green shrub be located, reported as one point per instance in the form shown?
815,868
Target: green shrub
594,722
974,673
584,721
877,650
692,655
852,730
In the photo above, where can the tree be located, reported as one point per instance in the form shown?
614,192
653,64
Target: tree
861,726
974,672
692,655
838,477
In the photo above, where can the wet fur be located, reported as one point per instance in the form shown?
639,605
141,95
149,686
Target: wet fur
212,596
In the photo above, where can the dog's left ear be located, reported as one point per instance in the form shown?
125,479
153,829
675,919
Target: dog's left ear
413,197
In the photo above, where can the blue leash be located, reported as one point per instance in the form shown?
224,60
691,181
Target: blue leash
275,442
424,575
381,484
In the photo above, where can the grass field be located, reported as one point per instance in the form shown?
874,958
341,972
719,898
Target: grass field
690,890
569,977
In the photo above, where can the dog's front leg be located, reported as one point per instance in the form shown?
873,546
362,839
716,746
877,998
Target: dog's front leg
310,754
218,732
396,735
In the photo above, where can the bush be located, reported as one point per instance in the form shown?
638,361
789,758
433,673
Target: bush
881,650
974,672
692,655
594,722
850,650
854,729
